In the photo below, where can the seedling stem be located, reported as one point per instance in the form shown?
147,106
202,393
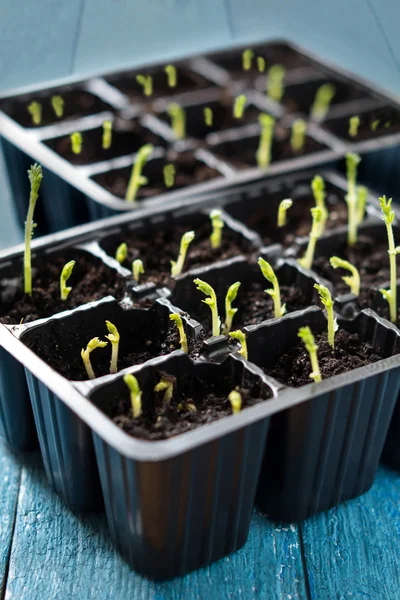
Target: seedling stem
182,334
240,336
326,299
121,253
165,385
307,260
307,337
354,124
65,275
85,354
169,175
35,110
318,189
236,401
107,135
275,88
229,311
35,175
266,136
217,226
390,295
239,106
137,269
137,180
76,142
206,289
57,103
113,337
146,81
274,292
282,211
352,280
247,59
178,120
136,394
322,101
177,266
352,161
172,75
297,139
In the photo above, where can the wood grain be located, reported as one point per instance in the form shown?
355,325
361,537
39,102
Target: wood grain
10,470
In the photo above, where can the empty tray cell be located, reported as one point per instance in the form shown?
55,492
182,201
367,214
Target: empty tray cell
379,122
189,171
127,138
77,103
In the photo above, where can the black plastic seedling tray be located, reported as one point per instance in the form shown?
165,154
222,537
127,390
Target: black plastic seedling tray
93,185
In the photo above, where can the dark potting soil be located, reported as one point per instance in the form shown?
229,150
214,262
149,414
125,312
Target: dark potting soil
294,367
127,138
90,280
189,171
156,249
160,421
77,103
375,123
300,97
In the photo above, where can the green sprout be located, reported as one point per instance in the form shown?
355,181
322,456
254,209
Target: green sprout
326,299
121,253
275,87
236,401
261,64
135,393
76,142
65,275
322,101
307,260
217,226
35,110
206,289
208,116
240,336
178,120
172,75
229,311
57,102
354,124
307,337
263,154
352,280
146,81
318,189
85,354
352,161
137,269
137,180
274,292
239,106
182,334
362,195
298,136
165,385
390,295
35,175
177,266
282,211
247,59
113,337
107,135
169,175
375,124
387,124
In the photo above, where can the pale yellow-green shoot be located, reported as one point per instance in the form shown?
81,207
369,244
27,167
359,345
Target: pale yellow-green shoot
172,75
113,337
121,253
247,59
390,295
57,102
206,289
178,120
264,151
76,142
107,135
236,401
261,64
230,312
275,88
298,135
282,211
352,280
65,275
137,180
322,101
352,162
137,269
208,116
35,175
146,81
318,190
35,110
354,124
165,385
240,336
239,106
375,124
135,393
326,299
307,260
362,195
85,354
177,319
177,266
274,292
307,337
169,175
217,224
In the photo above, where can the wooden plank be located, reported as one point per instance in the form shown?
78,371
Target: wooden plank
352,551
57,554
9,485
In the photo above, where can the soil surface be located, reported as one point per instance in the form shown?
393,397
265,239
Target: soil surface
210,401
91,280
77,103
294,367
376,123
